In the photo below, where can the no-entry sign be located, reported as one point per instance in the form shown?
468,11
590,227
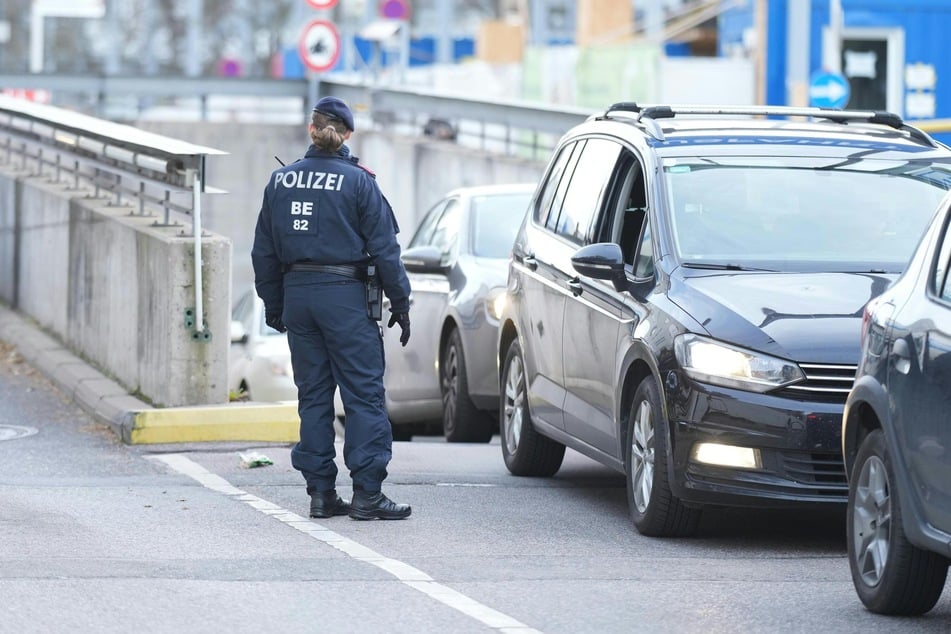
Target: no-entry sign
322,4
319,45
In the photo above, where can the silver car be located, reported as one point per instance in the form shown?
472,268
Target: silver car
457,264
259,360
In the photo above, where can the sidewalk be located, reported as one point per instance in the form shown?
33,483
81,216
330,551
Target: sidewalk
133,420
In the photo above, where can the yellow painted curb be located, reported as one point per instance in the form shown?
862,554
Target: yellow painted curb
265,422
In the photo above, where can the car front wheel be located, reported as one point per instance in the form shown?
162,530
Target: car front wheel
525,451
655,510
462,420
890,574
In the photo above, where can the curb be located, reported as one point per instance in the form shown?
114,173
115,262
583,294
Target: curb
262,422
133,420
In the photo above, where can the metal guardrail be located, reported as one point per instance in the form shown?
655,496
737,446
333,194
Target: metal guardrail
508,127
154,171
505,126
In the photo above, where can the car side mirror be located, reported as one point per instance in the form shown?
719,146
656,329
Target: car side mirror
602,261
238,333
424,259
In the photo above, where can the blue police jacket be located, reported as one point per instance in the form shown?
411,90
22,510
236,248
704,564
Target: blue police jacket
326,209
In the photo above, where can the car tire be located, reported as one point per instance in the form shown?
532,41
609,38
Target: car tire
890,574
401,433
525,451
462,420
654,509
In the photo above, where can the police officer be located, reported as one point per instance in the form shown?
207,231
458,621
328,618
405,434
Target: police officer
323,220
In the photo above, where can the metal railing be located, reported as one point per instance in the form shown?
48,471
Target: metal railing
149,172
509,127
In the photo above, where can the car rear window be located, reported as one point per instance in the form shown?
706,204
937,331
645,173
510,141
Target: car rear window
496,219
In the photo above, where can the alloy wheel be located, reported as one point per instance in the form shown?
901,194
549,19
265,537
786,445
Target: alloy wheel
514,404
450,381
642,456
871,520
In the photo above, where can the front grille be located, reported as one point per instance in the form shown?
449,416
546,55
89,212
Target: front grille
824,471
824,382
787,474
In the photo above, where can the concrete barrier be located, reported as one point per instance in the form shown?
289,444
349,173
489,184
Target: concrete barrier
115,287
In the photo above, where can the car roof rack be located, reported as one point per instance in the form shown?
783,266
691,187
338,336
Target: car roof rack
647,115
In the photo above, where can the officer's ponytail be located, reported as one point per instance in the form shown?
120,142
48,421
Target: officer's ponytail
326,133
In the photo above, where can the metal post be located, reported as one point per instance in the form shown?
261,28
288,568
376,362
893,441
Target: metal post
797,53
762,35
444,21
193,33
832,44
111,63
196,213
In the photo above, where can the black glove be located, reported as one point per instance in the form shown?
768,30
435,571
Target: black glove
274,321
403,320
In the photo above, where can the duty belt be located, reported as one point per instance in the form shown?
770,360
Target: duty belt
346,270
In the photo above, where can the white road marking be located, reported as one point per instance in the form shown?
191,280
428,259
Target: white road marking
406,574
10,432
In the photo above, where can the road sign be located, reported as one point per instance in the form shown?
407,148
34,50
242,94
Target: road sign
394,9
322,4
829,90
319,45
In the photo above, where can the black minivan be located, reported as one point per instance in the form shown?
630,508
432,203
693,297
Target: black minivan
896,436
685,297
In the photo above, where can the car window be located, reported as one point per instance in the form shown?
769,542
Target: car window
943,263
559,196
495,221
629,202
424,233
241,309
644,266
547,196
446,231
586,189
795,213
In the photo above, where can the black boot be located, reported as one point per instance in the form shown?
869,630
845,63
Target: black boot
376,506
327,504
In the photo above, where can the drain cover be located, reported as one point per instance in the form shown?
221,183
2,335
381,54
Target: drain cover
11,432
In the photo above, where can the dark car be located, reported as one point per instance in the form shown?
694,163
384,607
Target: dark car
686,295
896,436
457,261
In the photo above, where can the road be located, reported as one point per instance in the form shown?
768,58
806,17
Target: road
98,536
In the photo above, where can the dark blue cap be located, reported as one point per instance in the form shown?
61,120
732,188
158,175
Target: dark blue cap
335,109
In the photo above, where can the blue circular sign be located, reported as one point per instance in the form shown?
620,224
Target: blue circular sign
829,90
394,9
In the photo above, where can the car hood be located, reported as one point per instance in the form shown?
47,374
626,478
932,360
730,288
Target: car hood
807,317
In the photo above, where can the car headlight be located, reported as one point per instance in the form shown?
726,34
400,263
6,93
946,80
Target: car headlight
712,361
495,302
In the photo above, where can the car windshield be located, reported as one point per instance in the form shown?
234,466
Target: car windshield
801,213
496,219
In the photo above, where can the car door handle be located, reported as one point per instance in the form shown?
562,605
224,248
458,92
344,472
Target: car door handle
901,356
574,285
530,262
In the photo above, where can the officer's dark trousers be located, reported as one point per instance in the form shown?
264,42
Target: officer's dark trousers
333,342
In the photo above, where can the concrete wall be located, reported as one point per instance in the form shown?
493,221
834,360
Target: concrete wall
114,287
413,173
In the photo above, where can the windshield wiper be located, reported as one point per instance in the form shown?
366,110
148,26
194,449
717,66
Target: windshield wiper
722,267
